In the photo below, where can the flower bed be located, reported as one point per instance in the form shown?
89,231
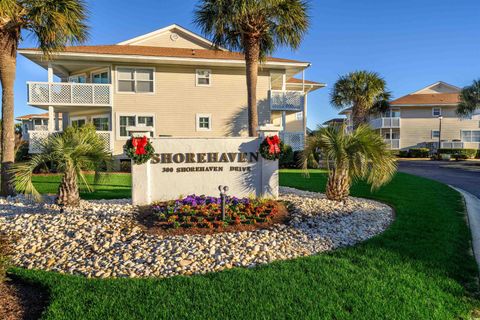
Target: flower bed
205,212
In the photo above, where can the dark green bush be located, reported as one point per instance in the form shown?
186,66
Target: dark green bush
419,153
286,157
403,154
460,153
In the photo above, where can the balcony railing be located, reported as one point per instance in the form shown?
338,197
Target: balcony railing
37,138
296,140
452,145
287,100
66,93
393,144
380,123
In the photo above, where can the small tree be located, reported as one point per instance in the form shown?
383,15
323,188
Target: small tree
469,99
365,92
361,154
256,28
74,150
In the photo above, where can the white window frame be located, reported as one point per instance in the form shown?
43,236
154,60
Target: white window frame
197,121
76,76
99,71
101,116
209,78
471,135
433,135
299,116
132,114
77,118
433,111
134,79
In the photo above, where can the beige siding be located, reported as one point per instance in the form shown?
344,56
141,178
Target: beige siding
417,124
165,40
177,100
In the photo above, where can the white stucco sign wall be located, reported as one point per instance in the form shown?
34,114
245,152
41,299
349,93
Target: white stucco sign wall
183,166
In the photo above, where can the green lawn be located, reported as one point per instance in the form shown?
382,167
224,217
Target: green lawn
420,268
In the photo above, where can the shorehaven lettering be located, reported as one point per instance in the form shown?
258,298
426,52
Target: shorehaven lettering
207,157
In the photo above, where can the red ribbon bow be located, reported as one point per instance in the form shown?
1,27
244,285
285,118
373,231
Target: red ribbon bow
139,144
274,143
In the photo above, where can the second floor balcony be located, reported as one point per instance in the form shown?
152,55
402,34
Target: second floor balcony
380,123
287,100
69,94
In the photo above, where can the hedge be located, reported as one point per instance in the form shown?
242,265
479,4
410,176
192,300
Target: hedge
461,153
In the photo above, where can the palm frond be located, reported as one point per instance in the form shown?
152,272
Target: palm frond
469,99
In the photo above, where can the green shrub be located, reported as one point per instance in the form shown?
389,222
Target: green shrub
419,153
5,251
460,153
286,157
403,154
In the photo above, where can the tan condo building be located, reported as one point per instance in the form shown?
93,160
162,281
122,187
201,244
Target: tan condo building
170,82
425,117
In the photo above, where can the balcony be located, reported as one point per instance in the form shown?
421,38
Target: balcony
69,94
287,100
296,140
381,123
392,144
37,138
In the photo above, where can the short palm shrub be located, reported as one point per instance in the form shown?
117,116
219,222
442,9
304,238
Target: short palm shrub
361,154
71,152
419,153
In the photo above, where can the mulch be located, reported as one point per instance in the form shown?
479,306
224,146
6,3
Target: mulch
151,225
20,300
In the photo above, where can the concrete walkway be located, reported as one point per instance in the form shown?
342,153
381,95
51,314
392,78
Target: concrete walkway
473,209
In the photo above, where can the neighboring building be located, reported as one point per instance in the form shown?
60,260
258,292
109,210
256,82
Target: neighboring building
170,82
38,122
413,120
335,121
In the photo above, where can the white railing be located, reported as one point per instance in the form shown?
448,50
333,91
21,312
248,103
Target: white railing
66,93
40,127
296,140
286,100
379,123
37,138
393,144
451,145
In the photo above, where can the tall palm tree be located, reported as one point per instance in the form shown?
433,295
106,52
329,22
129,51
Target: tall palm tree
361,154
469,99
365,92
257,28
72,151
54,24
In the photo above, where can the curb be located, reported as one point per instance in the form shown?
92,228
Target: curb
472,204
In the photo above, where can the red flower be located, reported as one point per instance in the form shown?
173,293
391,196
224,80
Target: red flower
139,144
274,144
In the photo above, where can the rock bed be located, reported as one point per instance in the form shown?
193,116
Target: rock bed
103,239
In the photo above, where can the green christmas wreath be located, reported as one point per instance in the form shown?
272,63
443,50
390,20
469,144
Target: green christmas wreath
140,150
271,148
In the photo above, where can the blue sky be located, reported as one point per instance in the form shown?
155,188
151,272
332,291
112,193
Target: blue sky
411,43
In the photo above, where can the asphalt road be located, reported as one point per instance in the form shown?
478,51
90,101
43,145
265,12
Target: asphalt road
435,170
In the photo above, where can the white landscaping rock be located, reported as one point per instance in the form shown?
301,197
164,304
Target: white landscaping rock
102,238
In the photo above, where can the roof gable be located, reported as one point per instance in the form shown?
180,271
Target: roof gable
438,87
173,36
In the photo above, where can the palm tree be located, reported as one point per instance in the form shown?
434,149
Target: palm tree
256,28
365,92
469,99
361,154
74,150
54,24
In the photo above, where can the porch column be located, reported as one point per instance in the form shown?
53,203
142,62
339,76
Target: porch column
51,111
57,121
65,119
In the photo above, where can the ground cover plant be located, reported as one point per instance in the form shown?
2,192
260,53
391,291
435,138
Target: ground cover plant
420,268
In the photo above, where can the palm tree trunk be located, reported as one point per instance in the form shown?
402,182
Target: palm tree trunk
338,185
68,194
8,54
252,56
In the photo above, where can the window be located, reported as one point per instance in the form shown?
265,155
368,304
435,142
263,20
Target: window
436,112
101,123
299,115
393,136
135,80
471,135
78,122
80,78
435,134
203,77
393,113
133,121
204,122
100,77
37,122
